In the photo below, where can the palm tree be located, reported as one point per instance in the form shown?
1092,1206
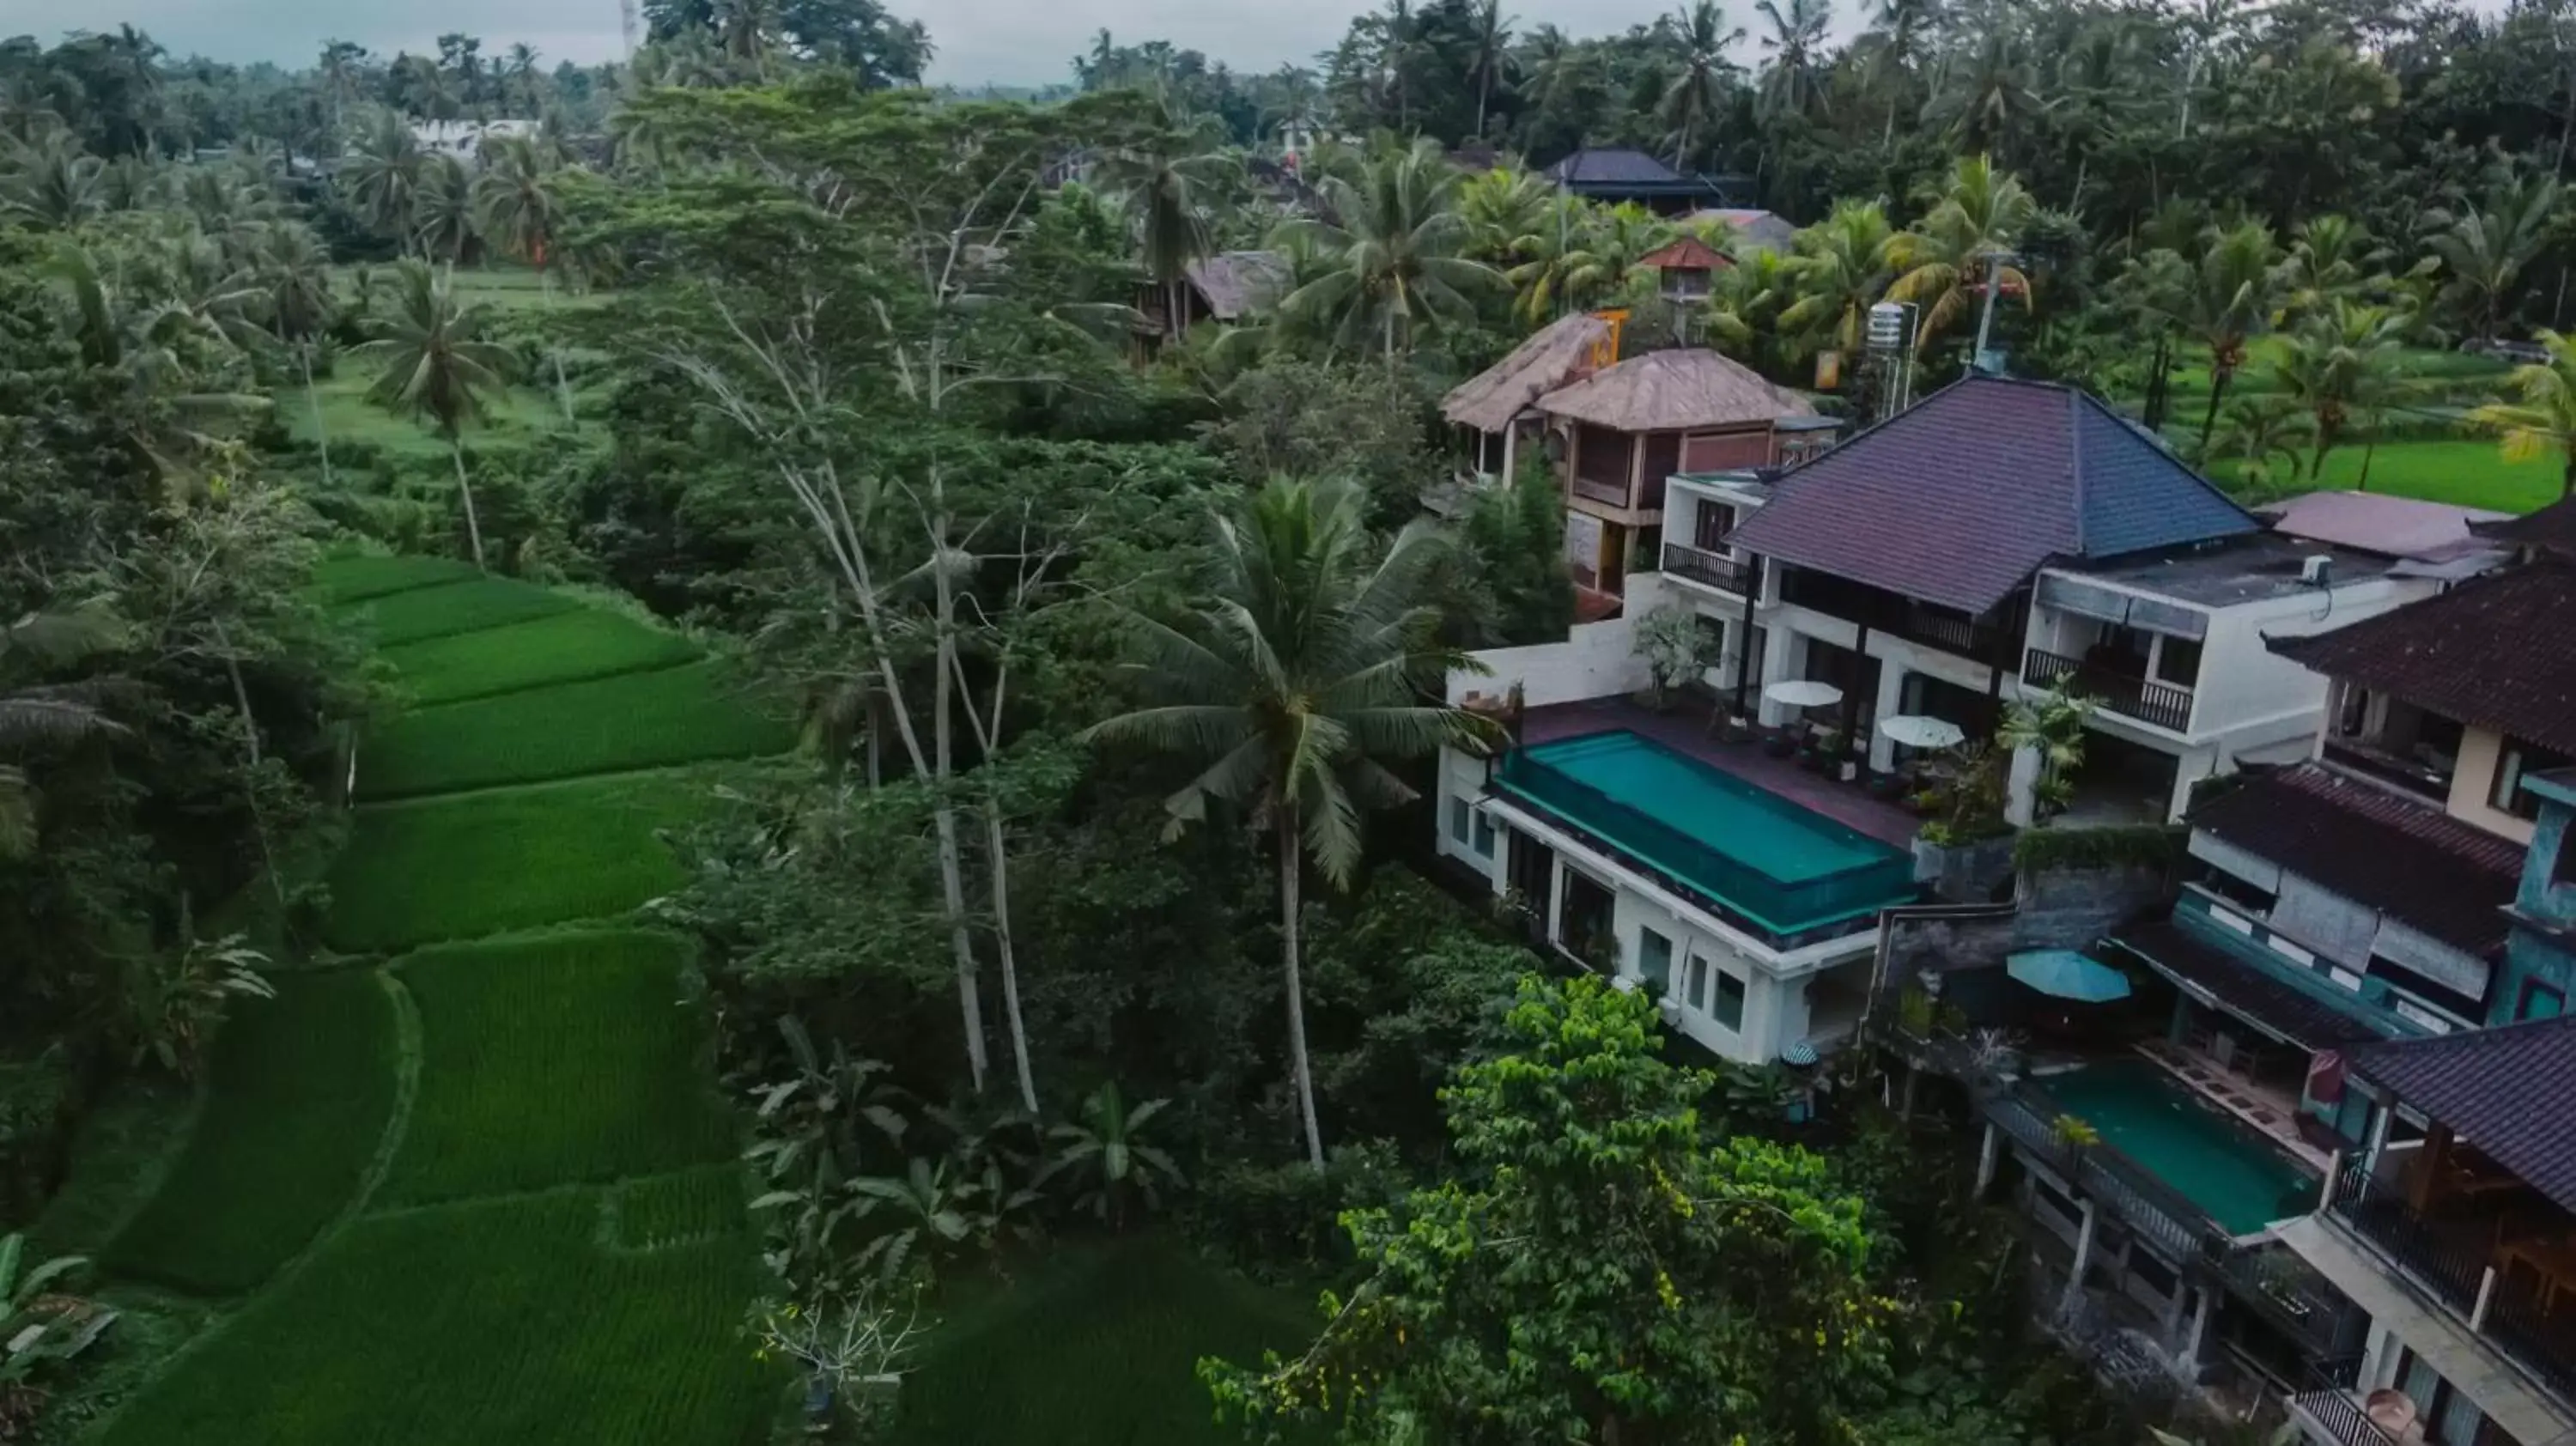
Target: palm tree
1503,209
1696,92
1899,32
1794,81
2342,366
514,202
384,178
437,368
2483,251
1842,269
1744,305
444,213
1963,247
2235,295
1306,669
51,183
1490,54
2254,434
1162,184
1396,244
292,270
1598,263
2545,419
341,78
2332,258
1990,99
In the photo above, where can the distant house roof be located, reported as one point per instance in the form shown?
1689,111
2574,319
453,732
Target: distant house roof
1687,254
2551,529
2376,522
1549,358
2497,651
1752,229
1612,167
2504,1089
1236,283
2203,968
2400,855
1960,499
1673,391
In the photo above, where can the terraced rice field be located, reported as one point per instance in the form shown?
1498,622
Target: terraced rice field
482,1191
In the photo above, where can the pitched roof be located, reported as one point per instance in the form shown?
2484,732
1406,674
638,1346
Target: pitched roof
1237,282
2551,529
1687,254
2205,968
1613,166
1671,391
2495,651
2377,522
2400,855
1959,500
1748,228
1547,359
2503,1088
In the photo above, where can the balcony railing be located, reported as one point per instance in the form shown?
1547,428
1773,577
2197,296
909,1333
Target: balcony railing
1895,614
1614,494
1708,568
2145,1204
2340,1417
2453,1261
2148,701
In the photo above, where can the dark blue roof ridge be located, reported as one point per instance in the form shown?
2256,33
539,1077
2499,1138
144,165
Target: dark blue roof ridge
2075,464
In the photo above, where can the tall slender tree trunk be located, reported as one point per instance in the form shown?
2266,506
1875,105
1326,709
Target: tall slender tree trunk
1290,862
554,347
313,399
995,848
952,871
465,490
2218,379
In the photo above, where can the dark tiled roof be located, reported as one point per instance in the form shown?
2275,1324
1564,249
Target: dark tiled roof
1235,283
2496,651
1961,499
2552,528
2402,856
2507,1089
1613,167
2308,1021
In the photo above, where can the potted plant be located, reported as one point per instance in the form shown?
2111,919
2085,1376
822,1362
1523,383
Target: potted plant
1824,753
2052,726
1780,742
1677,648
1965,848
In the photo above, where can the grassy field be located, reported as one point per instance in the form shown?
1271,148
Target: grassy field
1005,1367
557,1252
2468,471
566,647
499,1321
445,610
301,1089
518,415
428,870
608,725
342,581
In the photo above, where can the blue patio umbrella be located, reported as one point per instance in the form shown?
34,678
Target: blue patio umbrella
2067,974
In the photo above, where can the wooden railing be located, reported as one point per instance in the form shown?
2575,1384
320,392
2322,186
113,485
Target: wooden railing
1614,494
1708,568
2144,699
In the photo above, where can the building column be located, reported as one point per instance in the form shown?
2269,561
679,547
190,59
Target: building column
2189,769
1511,452
1989,1151
2187,1361
2021,802
2083,1257
1891,699
1786,652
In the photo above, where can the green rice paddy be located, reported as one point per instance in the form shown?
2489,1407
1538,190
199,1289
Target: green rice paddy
486,1192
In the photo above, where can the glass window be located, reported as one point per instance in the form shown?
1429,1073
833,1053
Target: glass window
1710,525
2178,661
2539,1001
1484,841
1458,813
1655,961
2520,760
1728,1007
1695,992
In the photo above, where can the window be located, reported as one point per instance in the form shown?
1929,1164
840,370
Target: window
1459,813
1484,838
1695,992
2540,1001
2152,1273
2253,900
1655,961
2057,1201
2520,760
1728,1007
2178,661
1710,526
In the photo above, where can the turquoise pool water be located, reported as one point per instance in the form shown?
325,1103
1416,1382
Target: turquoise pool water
2210,1160
1786,866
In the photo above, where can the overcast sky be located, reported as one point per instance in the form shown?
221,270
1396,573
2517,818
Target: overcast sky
1016,42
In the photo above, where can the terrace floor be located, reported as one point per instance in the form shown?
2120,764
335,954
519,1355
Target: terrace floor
2259,1106
1685,731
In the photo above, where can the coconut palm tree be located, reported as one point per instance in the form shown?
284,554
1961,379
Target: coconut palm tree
1503,208
1963,246
2253,435
1598,264
2236,293
2544,421
51,183
2332,258
1793,82
1305,671
443,215
1489,55
1698,89
1744,305
1163,185
292,271
2341,366
1841,270
1396,244
2483,250
436,368
384,178
515,205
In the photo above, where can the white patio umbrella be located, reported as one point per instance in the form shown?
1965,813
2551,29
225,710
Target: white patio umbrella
1800,693
1919,730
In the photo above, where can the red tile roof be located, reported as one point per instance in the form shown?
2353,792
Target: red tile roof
2498,652
2507,1089
1687,254
2402,856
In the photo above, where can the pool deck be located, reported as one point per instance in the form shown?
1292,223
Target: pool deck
1685,731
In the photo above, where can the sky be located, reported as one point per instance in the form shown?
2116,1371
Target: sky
1010,42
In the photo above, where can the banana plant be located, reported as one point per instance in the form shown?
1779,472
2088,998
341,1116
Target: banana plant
1108,1156
42,1326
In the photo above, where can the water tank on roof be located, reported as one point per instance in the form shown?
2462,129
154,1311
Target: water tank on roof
1891,326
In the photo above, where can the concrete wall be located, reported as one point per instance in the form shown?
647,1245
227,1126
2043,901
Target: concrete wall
2481,751
2244,683
2070,908
1596,660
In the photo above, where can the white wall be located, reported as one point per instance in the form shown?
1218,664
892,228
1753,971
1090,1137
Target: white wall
1596,660
2244,683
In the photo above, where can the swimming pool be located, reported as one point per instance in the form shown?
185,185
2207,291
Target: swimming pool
2215,1163
1787,867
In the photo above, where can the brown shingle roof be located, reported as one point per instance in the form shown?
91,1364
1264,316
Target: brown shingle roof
2402,856
1687,254
1547,359
1674,391
2498,652
2506,1089
2551,529
1235,283
1960,499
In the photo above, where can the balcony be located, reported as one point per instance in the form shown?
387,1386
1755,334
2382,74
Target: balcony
2162,704
1896,615
1607,493
2487,1261
2330,1413
1708,569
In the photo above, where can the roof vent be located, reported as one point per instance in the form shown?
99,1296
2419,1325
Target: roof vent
2313,568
